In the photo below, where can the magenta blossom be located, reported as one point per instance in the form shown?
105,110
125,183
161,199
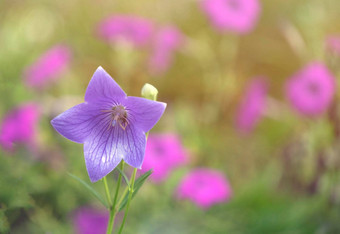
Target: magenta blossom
204,187
111,125
164,152
90,221
48,67
333,44
311,90
166,42
135,30
19,126
238,16
252,105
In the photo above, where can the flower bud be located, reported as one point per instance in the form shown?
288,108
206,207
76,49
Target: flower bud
149,92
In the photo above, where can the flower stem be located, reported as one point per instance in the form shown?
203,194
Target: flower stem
107,192
131,190
108,197
118,185
113,208
111,221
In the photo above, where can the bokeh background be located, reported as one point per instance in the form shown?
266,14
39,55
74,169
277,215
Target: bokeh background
281,163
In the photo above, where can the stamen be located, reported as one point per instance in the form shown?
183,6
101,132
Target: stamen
118,114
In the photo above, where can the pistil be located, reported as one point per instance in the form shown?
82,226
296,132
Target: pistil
118,115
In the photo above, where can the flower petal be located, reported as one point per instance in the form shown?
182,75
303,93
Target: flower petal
143,112
103,88
77,122
105,148
134,144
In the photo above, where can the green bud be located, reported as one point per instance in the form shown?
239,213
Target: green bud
149,92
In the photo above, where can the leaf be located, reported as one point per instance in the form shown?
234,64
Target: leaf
88,187
138,183
124,176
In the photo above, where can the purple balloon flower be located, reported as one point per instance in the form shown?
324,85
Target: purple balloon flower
111,125
311,90
252,105
48,67
19,126
138,31
204,187
90,221
164,152
238,16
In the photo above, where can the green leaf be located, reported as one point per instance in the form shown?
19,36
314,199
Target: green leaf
124,176
138,184
88,187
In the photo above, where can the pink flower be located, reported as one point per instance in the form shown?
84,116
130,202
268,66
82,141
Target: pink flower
90,221
164,152
135,30
311,90
333,44
238,16
48,67
166,42
252,105
205,187
19,126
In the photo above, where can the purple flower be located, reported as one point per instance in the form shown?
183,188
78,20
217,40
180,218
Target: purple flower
311,90
238,16
48,67
167,41
90,221
135,30
19,126
164,152
252,105
111,125
204,187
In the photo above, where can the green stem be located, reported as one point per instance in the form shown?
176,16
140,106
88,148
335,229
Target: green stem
111,221
114,210
108,197
131,190
107,192
118,185
122,197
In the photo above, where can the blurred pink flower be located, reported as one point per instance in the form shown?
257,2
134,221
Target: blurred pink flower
164,152
333,44
205,187
135,30
48,67
90,221
166,42
238,16
252,105
311,89
19,126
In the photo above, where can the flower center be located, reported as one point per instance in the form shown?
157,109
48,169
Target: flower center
234,4
118,115
313,88
159,150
